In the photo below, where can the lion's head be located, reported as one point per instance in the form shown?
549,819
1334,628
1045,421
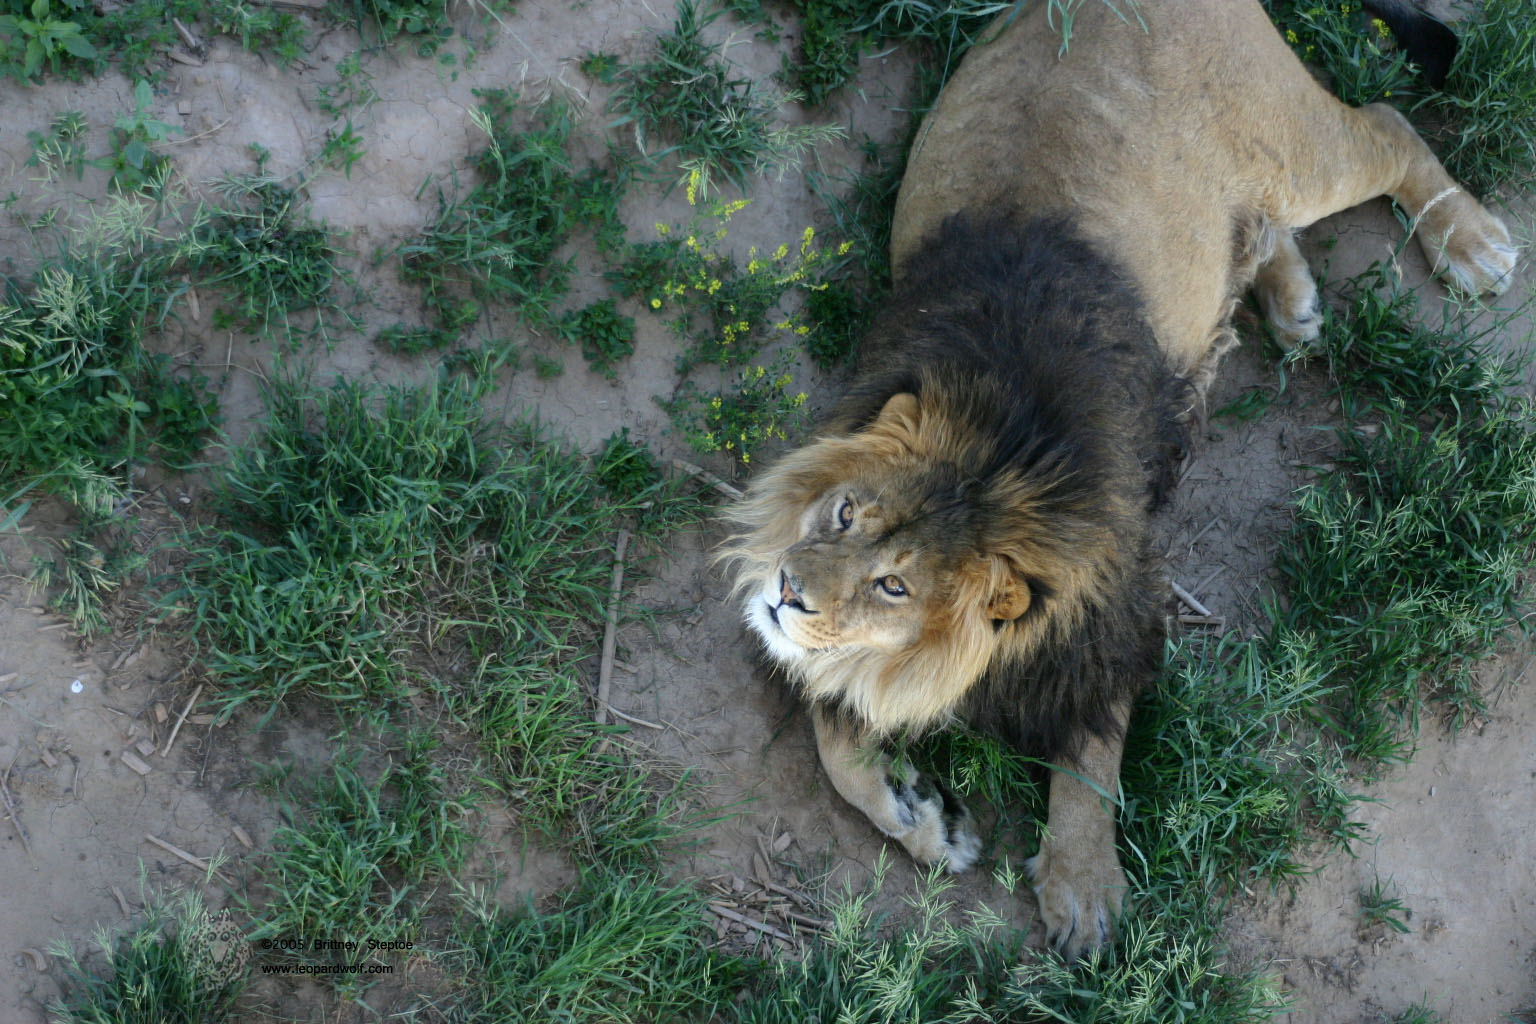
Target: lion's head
883,568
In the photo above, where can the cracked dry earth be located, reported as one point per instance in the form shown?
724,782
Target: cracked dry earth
88,768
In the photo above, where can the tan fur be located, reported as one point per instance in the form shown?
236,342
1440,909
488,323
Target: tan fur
1161,140
1189,150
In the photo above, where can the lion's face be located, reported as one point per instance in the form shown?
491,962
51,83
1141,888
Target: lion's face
869,571
868,561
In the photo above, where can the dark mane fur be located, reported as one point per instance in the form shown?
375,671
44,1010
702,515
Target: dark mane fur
1035,346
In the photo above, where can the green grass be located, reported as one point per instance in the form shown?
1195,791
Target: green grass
1404,566
359,855
500,240
1379,907
617,947
168,969
688,103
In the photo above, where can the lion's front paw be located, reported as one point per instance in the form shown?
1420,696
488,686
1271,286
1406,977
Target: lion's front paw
1467,244
1080,891
939,827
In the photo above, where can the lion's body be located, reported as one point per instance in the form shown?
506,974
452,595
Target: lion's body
968,535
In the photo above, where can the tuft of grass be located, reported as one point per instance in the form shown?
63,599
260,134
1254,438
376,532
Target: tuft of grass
619,946
498,242
703,112
172,967
1379,906
1404,565
258,247
360,852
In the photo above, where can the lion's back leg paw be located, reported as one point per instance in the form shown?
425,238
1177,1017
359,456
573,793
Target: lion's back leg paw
1288,294
1467,245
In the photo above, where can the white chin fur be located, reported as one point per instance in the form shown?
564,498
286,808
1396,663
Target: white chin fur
778,645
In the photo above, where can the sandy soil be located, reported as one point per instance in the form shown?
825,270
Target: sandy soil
1455,826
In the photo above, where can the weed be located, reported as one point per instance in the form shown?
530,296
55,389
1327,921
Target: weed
684,269
343,148
255,244
92,562
760,408
716,123
412,341
546,368
172,967
259,27
34,35
605,335
352,90
134,165
621,946
838,313
62,149
1379,906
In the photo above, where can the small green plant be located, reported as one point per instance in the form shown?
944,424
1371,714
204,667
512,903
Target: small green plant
412,341
91,563
762,407
259,27
343,148
1379,907
689,103
179,964
135,166
31,35
605,335
352,91
62,149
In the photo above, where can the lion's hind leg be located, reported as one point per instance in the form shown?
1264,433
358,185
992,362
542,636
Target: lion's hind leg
928,820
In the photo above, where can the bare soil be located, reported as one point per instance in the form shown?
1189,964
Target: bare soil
1455,826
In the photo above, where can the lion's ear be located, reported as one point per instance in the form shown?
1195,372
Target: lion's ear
1010,599
898,416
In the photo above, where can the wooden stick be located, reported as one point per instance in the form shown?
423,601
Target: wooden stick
11,811
197,862
689,469
610,635
766,929
1189,599
184,713
631,719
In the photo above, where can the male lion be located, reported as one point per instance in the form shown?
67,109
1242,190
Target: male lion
968,534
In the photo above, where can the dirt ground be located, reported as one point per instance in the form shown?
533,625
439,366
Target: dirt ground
88,769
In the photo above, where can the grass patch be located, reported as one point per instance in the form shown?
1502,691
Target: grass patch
360,853
618,947
1404,565
177,965
687,102
498,242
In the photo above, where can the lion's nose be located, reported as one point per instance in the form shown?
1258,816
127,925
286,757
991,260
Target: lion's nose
790,589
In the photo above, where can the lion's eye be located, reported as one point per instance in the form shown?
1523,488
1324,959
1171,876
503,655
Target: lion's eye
845,514
892,585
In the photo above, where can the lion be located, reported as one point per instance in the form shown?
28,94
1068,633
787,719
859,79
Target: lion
967,535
